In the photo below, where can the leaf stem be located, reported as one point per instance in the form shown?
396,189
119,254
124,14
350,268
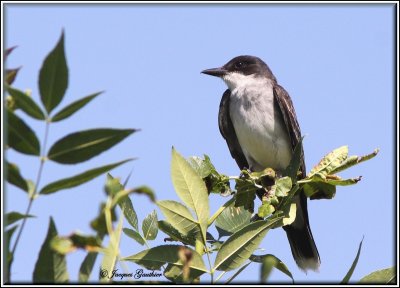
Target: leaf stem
209,263
220,276
35,190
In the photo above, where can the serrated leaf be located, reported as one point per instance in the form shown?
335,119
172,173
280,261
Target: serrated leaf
14,177
384,276
26,103
50,267
156,257
150,226
232,219
191,189
134,235
178,216
73,107
79,179
20,136
175,235
201,166
113,186
346,278
12,217
129,212
238,248
84,145
53,77
330,162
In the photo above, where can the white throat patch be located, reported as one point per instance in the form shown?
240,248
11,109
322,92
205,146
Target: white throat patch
236,80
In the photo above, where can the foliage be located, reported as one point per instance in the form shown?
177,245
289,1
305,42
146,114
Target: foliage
187,223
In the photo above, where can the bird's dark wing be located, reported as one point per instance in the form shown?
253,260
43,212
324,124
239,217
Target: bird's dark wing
228,131
285,105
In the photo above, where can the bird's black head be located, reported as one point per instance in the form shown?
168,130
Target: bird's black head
246,65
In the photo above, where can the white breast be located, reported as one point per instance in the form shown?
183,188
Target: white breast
260,129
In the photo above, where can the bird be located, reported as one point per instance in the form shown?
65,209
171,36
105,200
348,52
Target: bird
259,124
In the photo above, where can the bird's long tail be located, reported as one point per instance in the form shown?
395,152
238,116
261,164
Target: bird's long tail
301,241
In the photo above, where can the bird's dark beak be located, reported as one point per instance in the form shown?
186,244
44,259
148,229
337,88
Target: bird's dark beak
218,72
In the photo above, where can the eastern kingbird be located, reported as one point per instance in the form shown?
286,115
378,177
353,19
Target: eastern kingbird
258,121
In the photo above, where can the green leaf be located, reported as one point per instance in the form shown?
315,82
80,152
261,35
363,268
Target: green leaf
64,245
88,263
84,145
26,103
9,255
384,276
134,235
191,189
238,248
99,223
12,217
156,257
354,160
20,136
295,162
50,267
283,186
346,278
113,186
203,167
79,179
73,107
14,177
129,212
146,191
276,262
53,77
319,190
111,253
87,266
178,216
330,162
11,74
150,226
232,219
237,273
175,235
265,209
174,273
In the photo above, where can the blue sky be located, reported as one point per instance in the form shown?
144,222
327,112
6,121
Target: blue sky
336,62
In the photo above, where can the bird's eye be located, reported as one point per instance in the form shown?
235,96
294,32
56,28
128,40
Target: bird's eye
240,64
